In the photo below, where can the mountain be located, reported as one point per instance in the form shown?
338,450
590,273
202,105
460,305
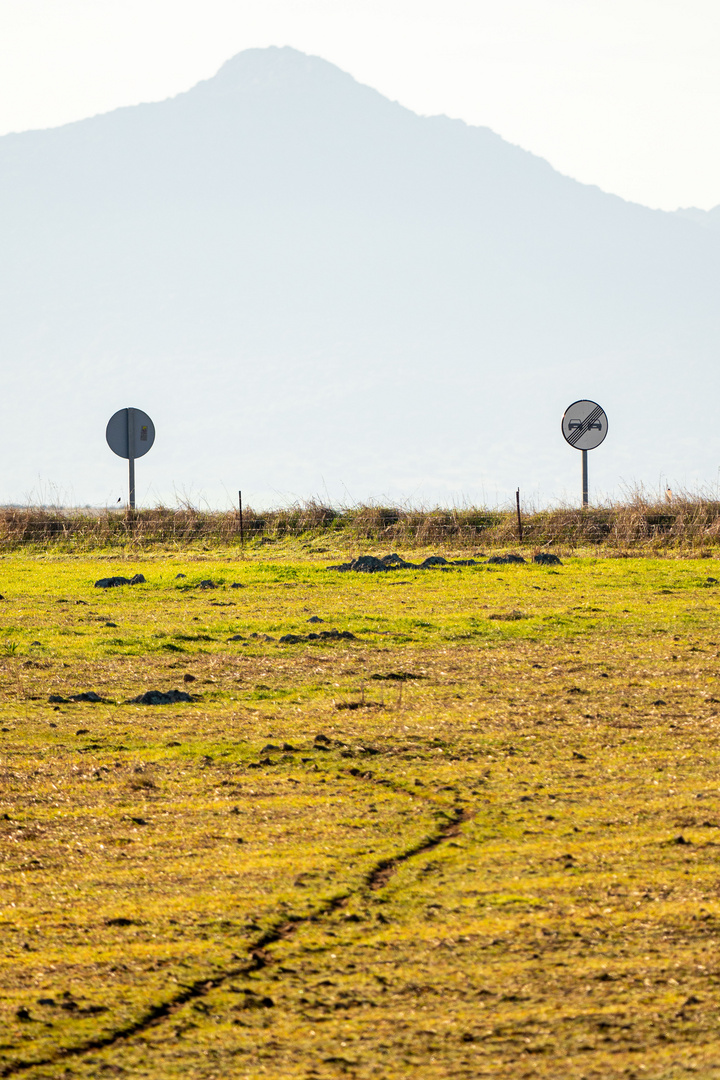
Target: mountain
315,292
709,218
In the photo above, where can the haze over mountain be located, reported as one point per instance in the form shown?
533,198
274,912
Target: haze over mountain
314,291
709,218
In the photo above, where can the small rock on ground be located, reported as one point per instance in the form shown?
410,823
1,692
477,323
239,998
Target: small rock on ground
87,695
113,582
324,635
158,697
371,564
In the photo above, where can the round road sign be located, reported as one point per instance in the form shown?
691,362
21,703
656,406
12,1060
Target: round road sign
130,428
584,425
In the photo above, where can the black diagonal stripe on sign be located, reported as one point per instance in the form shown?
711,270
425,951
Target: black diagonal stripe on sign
585,426
591,417
577,433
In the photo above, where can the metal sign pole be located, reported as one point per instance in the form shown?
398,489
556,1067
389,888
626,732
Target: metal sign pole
242,532
131,455
585,477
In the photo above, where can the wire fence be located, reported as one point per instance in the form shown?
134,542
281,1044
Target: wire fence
689,524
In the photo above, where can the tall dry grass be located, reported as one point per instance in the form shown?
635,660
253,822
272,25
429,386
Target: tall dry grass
687,523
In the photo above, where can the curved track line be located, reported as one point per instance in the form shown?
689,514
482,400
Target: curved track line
375,879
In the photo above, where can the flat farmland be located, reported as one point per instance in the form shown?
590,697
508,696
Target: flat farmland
470,828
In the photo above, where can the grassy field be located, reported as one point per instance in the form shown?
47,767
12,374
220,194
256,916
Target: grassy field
479,838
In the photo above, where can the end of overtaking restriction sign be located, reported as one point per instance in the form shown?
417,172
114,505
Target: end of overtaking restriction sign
584,425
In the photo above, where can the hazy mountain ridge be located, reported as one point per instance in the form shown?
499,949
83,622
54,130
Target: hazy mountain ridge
708,218
282,250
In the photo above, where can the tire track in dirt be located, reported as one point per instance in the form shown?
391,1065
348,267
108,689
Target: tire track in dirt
259,957
380,875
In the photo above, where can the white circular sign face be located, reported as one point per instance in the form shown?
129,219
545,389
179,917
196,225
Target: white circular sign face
130,427
584,425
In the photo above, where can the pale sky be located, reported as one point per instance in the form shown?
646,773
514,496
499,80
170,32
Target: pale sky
624,94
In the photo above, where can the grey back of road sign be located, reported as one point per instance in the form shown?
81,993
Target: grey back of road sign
140,425
584,425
